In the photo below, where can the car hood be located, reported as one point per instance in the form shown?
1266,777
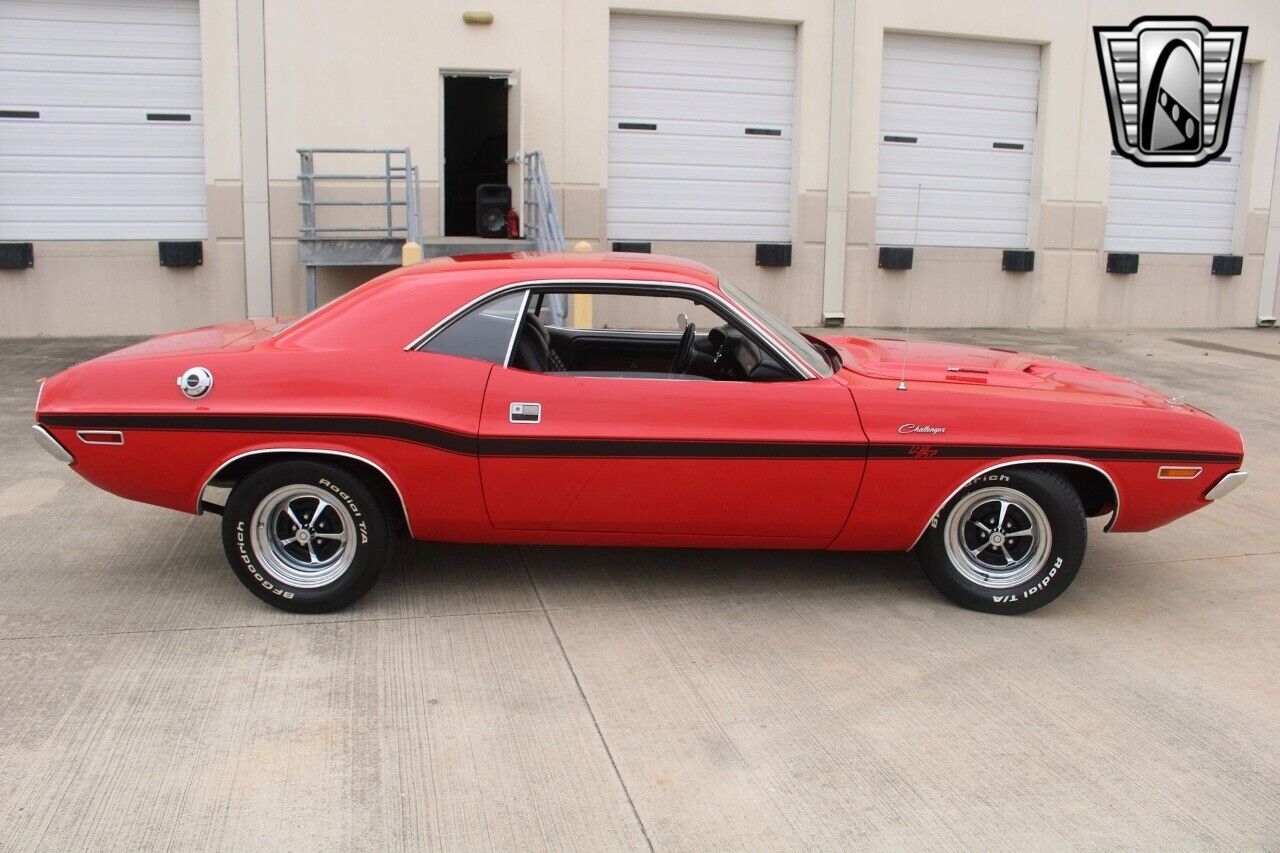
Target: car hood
242,334
929,361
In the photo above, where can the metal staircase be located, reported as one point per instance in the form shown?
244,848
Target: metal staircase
363,211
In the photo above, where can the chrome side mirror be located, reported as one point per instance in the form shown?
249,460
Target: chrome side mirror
682,320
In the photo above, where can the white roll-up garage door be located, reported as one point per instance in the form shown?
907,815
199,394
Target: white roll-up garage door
101,130
1190,211
957,119
700,129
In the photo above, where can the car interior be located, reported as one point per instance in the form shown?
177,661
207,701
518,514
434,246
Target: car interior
723,352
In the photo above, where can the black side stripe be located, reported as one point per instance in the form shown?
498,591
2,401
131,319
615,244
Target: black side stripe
417,433
922,450
471,445
625,448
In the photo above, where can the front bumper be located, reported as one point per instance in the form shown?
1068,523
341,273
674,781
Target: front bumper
51,445
1226,485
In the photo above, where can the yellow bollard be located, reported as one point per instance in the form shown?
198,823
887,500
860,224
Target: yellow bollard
580,310
410,253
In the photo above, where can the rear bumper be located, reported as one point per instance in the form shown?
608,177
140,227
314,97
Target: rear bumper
1226,485
51,445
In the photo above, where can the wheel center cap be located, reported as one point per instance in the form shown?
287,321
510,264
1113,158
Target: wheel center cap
997,539
304,536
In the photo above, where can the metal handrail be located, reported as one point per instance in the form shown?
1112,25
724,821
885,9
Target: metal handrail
353,203
542,221
353,177
338,229
393,175
541,215
354,150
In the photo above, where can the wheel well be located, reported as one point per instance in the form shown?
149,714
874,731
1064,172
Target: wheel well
226,478
1097,494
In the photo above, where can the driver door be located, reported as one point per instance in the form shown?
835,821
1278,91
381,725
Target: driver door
678,457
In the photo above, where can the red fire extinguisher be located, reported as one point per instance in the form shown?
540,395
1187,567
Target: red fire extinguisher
513,223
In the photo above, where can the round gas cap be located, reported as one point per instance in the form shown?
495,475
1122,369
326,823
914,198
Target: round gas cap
195,382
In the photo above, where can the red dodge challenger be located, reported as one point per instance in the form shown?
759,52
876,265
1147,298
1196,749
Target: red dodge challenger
574,399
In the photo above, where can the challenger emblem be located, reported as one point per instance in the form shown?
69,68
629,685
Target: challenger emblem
1171,86
908,429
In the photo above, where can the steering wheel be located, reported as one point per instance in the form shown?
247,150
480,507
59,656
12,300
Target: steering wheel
684,354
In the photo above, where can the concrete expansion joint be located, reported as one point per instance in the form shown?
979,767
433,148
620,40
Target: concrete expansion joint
585,701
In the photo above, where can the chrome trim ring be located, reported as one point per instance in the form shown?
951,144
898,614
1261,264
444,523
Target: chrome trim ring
997,538
1227,485
195,382
303,536
51,445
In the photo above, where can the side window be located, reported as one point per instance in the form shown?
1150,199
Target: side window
622,312
483,333
647,334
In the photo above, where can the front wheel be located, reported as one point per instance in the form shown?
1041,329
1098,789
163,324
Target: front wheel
305,536
1010,542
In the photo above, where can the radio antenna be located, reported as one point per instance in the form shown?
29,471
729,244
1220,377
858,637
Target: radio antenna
906,336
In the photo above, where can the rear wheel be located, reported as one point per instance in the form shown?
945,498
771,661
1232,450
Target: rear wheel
306,537
1010,542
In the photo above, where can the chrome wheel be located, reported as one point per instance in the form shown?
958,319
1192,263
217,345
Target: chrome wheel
303,536
998,538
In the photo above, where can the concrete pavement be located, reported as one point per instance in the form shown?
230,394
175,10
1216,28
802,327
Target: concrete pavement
610,699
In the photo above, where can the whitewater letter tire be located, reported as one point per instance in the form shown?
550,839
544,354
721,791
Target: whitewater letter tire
306,537
1010,542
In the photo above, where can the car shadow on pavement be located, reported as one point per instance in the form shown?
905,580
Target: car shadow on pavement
447,578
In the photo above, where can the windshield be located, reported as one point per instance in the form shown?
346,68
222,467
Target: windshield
793,339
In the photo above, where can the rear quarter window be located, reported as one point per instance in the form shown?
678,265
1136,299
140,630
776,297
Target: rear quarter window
483,333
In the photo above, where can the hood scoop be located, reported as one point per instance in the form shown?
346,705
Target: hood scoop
928,361
995,367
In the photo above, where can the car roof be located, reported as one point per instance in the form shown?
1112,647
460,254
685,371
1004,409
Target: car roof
418,298
579,264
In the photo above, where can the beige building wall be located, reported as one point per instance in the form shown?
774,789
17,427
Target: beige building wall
370,74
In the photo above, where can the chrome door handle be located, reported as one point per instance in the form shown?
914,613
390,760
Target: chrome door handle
525,413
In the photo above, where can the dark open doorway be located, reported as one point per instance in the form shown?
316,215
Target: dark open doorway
475,146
